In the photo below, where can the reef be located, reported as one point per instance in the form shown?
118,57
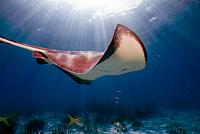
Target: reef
103,117
34,126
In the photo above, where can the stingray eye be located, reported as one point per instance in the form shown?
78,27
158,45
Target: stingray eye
115,37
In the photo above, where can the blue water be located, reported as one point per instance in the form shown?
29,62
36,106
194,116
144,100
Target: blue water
169,29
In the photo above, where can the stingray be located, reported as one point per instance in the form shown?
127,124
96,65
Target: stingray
126,53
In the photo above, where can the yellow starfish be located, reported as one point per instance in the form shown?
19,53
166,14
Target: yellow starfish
5,119
76,121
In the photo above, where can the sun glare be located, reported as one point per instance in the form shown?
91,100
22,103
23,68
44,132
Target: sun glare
112,5
95,3
100,8
105,8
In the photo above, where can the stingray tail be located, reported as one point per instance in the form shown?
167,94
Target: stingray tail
21,45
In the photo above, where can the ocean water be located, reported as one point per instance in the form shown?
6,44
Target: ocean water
162,98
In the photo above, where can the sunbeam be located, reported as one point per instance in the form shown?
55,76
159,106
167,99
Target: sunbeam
99,8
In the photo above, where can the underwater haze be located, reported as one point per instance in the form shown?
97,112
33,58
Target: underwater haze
162,98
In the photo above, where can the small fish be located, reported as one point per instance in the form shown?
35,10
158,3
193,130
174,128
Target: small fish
117,98
118,126
117,102
152,19
73,120
118,91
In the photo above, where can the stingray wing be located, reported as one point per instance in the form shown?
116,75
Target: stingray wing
125,53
